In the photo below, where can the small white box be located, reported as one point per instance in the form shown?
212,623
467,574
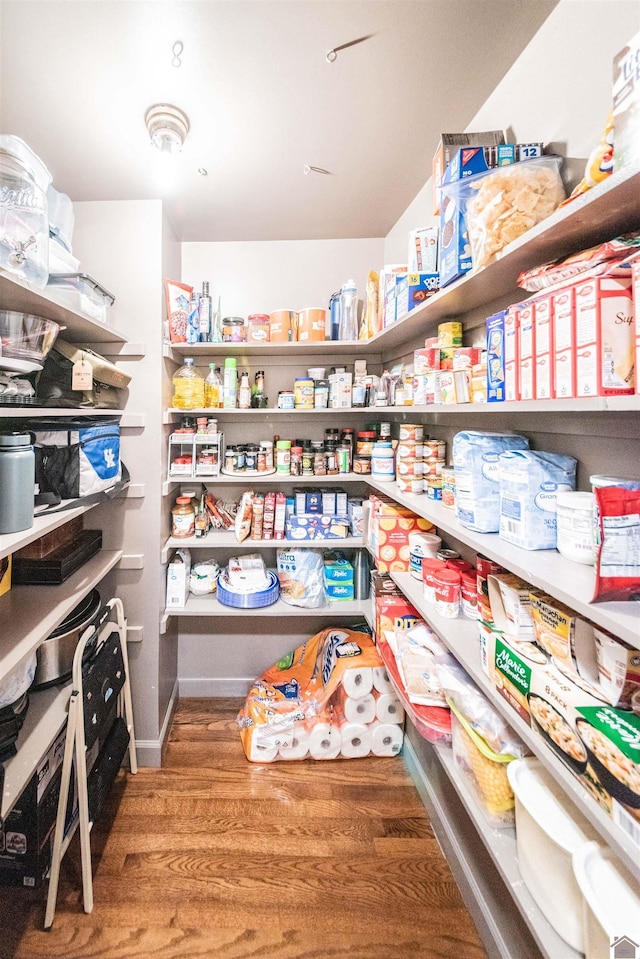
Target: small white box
178,573
605,347
527,353
423,250
512,353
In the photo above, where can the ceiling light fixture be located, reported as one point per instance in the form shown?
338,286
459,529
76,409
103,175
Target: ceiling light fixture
307,169
332,55
167,126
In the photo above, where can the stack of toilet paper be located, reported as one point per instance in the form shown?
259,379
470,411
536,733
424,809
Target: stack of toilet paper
363,717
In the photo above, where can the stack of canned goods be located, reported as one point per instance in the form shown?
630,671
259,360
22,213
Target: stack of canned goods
434,460
409,458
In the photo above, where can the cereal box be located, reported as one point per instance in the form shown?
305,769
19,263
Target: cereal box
496,357
626,105
423,250
564,339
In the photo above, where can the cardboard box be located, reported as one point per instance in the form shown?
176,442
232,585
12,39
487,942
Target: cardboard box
544,347
510,601
455,250
511,665
626,106
449,143
564,338
635,280
393,612
178,573
423,250
485,568
5,574
26,835
339,591
337,568
527,375
316,526
340,385
412,291
496,357
512,353
389,532
356,512
605,342
481,159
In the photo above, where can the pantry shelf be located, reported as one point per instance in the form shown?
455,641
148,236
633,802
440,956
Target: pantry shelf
345,349
210,606
251,414
35,611
46,715
462,639
571,583
28,412
78,328
258,479
226,539
10,542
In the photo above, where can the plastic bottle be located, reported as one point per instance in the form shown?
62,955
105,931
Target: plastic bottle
216,324
212,389
349,311
244,392
361,574
183,518
188,387
230,385
17,481
204,326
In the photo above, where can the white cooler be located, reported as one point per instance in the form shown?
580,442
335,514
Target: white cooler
611,900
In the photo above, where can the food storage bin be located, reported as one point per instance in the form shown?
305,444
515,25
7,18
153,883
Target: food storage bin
25,338
80,292
61,218
549,829
611,900
484,770
24,222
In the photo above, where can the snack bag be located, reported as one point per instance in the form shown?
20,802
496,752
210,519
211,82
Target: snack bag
178,299
292,698
501,205
618,555
600,163
369,325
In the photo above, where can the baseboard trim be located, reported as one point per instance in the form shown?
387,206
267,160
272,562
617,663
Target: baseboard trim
193,688
149,751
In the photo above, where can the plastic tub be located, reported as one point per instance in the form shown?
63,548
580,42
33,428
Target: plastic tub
549,829
80,292
611,900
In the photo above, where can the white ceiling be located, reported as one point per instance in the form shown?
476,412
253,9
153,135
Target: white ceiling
77,77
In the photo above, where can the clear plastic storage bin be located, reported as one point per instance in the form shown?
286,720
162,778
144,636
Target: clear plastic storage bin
24,221
80,292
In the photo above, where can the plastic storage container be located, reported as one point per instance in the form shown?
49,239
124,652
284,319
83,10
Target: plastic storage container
80,292
25,339
188,387
574,517
484,770
24,221
549,829
611,900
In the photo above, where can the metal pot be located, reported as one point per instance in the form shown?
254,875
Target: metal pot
55,654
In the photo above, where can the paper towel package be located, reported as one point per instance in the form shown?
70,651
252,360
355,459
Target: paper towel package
324,700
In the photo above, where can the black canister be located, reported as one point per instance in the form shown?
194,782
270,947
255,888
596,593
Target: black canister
17,481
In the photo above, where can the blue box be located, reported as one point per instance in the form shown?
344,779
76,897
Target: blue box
339,591
468,161
337,568
313,501
496,387
316,526
412,290
455,251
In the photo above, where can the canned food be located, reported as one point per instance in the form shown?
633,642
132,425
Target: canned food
447,592
434,489
446,554
303,393
362,464
450,334
343,454
286,400
410,449
410,484
411,431
434,449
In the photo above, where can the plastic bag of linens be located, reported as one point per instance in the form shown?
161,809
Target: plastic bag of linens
476,466
331,698
529,486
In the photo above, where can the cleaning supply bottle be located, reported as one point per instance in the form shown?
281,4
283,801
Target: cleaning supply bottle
212,388
188,387
349,311
230,383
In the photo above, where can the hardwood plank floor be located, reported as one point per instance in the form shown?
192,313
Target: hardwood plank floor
212,857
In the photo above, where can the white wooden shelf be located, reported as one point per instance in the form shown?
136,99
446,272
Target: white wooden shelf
45,717
571,583
210,606
272,412
226,539
36,412
257,480
344,349
78,328
462,639
10,542
30,613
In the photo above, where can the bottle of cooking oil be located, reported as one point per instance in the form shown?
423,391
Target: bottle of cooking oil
188,387
213,388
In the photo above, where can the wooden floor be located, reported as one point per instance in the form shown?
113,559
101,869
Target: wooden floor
212,856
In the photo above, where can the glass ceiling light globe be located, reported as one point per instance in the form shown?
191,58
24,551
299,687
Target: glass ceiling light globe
167,127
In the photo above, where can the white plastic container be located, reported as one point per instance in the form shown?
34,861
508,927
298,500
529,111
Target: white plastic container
611,900
574,515
383,465
549,829
422,546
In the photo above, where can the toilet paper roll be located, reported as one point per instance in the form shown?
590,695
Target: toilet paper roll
362,710
358,682
386,739
356,740
381,681
325,741
262,752
389,709
299,745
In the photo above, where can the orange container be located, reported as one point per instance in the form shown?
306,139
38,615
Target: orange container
311,324
258,328
282,326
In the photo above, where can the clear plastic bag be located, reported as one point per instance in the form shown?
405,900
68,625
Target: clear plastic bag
501,205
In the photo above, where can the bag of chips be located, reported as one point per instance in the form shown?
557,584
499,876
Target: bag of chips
618,554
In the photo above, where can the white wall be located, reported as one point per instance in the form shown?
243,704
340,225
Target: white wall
259,277
558,91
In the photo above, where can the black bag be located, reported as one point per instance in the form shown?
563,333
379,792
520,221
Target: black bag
53,387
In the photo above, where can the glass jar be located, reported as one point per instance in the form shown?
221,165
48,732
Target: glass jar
267,446
251,456
183,518
229,458
319,463
283,456
296,461
233,329
239,458
307,460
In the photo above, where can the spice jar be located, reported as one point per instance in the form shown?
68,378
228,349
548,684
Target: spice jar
296,461
283,456
183,518
307,460
251,456
319,463
229,458
267,446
